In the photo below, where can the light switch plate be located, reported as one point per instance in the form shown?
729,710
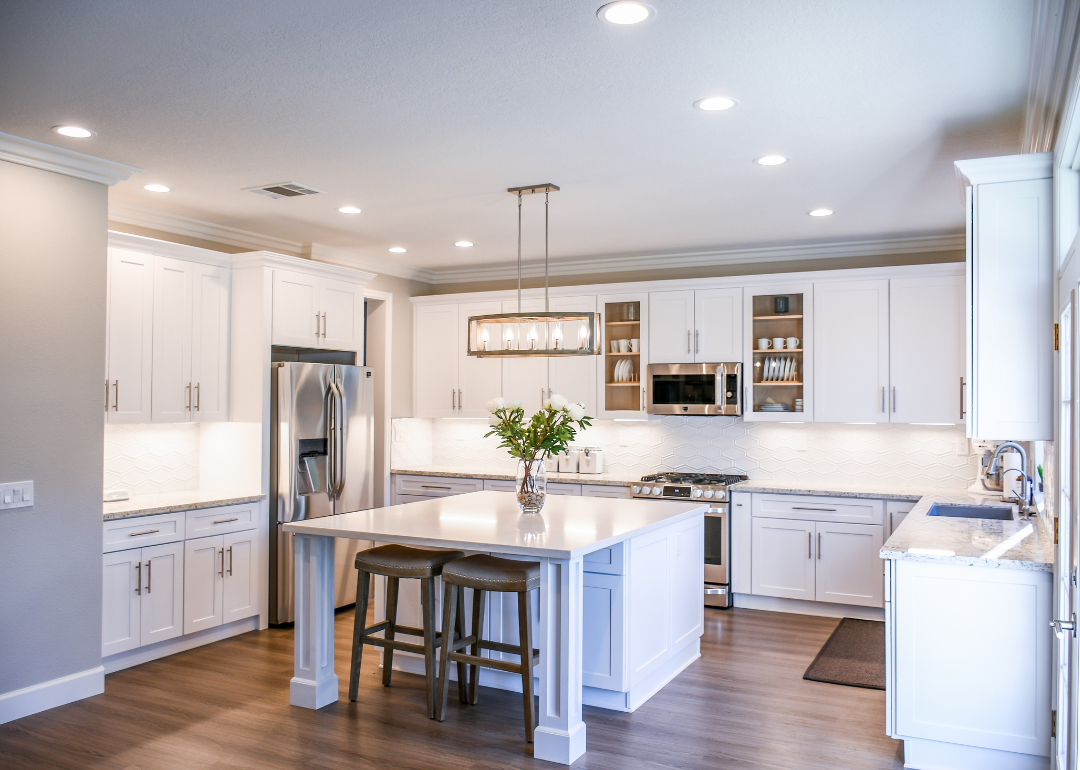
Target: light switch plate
17,494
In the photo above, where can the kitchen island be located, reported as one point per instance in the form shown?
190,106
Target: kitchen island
649,551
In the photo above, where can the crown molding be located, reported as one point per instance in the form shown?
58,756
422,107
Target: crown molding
143,245
1051,70
27,152
1004,168
324,253
763,254
262,258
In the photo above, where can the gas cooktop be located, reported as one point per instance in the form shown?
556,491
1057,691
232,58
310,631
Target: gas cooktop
687,485
696,478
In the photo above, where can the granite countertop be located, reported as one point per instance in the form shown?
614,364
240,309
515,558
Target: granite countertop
168,502
607,479
866,491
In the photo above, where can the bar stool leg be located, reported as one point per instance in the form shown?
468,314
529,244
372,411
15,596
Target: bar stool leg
479,604
526,640
427,604
459,633
359,631
451,613
391,616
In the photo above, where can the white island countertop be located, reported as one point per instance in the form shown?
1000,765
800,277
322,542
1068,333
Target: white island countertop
569,527
170,502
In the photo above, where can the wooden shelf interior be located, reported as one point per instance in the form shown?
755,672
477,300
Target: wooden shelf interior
622,320
768,323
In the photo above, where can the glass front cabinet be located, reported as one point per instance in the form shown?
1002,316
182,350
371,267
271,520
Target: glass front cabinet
777,361
624,339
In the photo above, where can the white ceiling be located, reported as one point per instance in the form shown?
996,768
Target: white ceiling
422,113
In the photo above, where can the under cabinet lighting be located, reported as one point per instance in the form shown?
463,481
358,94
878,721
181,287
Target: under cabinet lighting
625,12
75,132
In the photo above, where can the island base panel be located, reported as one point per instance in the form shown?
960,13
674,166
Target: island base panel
314,683
935,755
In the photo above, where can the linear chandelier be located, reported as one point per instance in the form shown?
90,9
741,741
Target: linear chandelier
547,334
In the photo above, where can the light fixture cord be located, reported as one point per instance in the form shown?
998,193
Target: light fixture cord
519,252
547,193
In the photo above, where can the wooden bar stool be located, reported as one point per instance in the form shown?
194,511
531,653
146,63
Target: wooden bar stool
395,562
484,573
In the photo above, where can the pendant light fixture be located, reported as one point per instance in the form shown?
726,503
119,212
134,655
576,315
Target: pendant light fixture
546,334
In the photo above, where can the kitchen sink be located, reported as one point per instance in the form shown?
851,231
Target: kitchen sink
996,512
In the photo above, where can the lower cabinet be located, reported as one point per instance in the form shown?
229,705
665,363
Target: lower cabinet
219,580
412,489
142,598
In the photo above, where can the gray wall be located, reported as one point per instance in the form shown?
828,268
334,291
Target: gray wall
52,373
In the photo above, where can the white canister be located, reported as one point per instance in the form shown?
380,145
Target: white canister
568,461
551,463
592,460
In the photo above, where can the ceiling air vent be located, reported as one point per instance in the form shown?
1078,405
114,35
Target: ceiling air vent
284,190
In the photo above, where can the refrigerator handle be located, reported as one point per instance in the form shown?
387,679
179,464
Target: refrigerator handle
339,440
331,416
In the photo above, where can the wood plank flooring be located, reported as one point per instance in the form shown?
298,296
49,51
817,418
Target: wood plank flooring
744,704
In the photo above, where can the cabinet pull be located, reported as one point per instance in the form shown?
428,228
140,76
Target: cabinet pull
431,486
221,572
138,579
188,397
819,546
882,398
961,398
106,396
148,562
147,532
116,395
198,396
226,521
460,401
318,326
643,399
230,560
827,510
809,545
894,399
688,341
697,341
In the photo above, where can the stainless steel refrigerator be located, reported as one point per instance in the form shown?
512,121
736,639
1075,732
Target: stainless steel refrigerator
322,442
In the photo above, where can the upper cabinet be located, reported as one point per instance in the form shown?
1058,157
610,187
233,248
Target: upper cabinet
703,326
624,322
130,336
449,383
311,311
574,376
778,368
1010,275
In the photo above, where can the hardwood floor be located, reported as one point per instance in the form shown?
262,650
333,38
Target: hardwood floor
744,704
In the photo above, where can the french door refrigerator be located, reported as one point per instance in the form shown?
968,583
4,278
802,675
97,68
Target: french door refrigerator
321,463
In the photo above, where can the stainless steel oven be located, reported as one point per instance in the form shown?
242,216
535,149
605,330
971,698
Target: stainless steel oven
717,554
694,388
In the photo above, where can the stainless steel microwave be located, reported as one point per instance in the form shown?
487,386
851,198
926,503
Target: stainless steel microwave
694,389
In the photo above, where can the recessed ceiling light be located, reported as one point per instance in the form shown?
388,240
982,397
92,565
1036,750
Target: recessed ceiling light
715,103
625,12
157,188
770,160
349,210
463,244
397,250
820,213
75,132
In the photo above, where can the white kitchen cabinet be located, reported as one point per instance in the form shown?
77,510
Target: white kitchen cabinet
210,318
574,376
142,597
703,326
621,491
478,379
130,337
896,511
219,580
316,312
435,360
239,595
848,569
783,558
622,316
926,349
851,351
525,378
765,317
741,544
1010,279
603,663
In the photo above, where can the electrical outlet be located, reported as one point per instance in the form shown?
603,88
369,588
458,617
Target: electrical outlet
961,447
18,494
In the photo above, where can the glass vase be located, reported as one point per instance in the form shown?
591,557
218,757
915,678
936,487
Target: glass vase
531,484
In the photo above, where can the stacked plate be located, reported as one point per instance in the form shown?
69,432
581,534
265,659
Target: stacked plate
624,371
774,408
780,369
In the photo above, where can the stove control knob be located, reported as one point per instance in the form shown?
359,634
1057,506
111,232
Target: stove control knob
697,493
646,490
721,494
709,493
657,490
637,489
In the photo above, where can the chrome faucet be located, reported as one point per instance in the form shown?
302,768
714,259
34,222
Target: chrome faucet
1024,479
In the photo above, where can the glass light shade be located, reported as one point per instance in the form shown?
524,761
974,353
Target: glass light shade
518,335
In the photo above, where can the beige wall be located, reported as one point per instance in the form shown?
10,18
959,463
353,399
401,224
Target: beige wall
52,370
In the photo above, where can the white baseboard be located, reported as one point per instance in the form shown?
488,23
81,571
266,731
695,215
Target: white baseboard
921,754
56,692
801,607
122,660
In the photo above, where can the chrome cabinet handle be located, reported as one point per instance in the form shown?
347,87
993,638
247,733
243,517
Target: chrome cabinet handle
147,532
318,321
431,486
894,399
221,572
106,396
882,398
819,546
226,521
642,399
460,401
188,397
324,325
809,545
198,396
116,395
697,341
148,562
827,510
138,578
687,340
1061,626
962,411
230,560
453,399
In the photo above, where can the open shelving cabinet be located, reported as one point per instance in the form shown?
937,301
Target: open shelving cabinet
623,317
781,376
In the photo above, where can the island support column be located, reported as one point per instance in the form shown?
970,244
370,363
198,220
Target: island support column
560,736
314,683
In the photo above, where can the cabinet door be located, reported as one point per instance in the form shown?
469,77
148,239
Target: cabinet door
525,378
479,379
926,348
848,565
623,316
240,599
130,336
122,590
295,306
896,512
210,343
783,561
671,327
204,575
603,658
435,360
575,376
342,304
163,592
172,387
718,325
851,351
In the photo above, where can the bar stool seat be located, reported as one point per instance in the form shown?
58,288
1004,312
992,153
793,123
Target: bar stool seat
395,562
483,574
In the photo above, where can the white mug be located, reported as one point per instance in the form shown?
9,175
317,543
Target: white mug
778,343
614,346
624,346
793,342
763,343
634,345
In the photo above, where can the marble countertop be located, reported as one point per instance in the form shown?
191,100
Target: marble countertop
168,502
454,471
568,526
866,491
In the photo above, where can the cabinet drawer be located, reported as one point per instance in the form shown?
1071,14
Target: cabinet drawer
846,509
608,561
435,486
121,534
219,521
500,485
604,490
558,488
403,499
